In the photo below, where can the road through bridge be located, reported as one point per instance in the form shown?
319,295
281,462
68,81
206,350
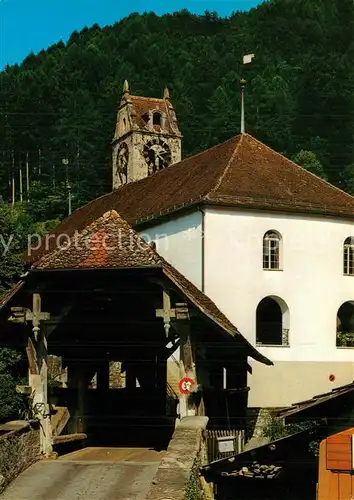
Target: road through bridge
90,473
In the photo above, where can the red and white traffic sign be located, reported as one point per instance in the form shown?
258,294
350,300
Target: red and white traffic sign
185,385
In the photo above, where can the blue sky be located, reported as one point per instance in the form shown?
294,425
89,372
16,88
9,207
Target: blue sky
32,25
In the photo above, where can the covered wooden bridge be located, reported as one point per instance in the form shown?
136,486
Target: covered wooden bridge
106,295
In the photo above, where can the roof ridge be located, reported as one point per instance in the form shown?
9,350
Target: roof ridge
139,239
124,225
300,167
226,169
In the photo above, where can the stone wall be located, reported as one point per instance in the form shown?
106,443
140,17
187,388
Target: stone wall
19,448
177,477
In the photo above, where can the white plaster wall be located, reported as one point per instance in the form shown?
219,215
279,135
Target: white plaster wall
311,281
179,241
288,382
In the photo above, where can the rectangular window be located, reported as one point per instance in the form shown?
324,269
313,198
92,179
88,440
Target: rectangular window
349,259
270,253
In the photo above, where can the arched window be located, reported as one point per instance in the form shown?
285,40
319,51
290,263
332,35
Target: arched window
345,325
271,250
156,119
348,257
272,322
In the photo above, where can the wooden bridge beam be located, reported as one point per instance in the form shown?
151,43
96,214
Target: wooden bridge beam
38,369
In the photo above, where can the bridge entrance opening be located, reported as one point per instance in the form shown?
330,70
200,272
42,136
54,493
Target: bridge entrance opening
113,354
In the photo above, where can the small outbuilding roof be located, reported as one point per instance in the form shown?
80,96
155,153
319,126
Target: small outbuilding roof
297,408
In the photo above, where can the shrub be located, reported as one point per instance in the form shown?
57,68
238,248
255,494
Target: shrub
11,403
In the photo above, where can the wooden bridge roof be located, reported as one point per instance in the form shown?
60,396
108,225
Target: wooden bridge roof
111,243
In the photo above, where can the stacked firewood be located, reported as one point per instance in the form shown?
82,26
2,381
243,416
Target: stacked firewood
258,471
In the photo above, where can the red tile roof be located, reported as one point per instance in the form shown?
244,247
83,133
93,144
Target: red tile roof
242,172
139,109
142,106
260,177
199,299
110,242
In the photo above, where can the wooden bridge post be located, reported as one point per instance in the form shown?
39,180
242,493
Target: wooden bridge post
179,318
38,373
78,380
37,367
187,364
161,379
201,361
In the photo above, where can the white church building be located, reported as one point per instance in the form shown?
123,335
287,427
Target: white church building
270,243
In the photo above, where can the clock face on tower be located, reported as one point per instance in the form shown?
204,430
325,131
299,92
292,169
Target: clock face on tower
157,154
122,163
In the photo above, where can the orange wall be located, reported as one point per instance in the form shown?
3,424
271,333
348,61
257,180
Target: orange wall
335,452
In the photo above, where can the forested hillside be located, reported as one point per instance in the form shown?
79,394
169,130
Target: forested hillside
62,102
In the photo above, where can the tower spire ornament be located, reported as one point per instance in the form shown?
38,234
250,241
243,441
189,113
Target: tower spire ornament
166,93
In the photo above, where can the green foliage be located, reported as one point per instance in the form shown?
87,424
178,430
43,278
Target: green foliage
47,203
8,359
52,382
276,429
62,102
15,224
345,339
349,179
10,401
193,489
309,161
8,398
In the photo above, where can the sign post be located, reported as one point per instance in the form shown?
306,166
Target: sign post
185,388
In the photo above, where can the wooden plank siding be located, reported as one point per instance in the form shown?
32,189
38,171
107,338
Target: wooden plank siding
339,452
336,477
345,486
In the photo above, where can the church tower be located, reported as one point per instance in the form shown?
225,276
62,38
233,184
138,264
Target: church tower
146,137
